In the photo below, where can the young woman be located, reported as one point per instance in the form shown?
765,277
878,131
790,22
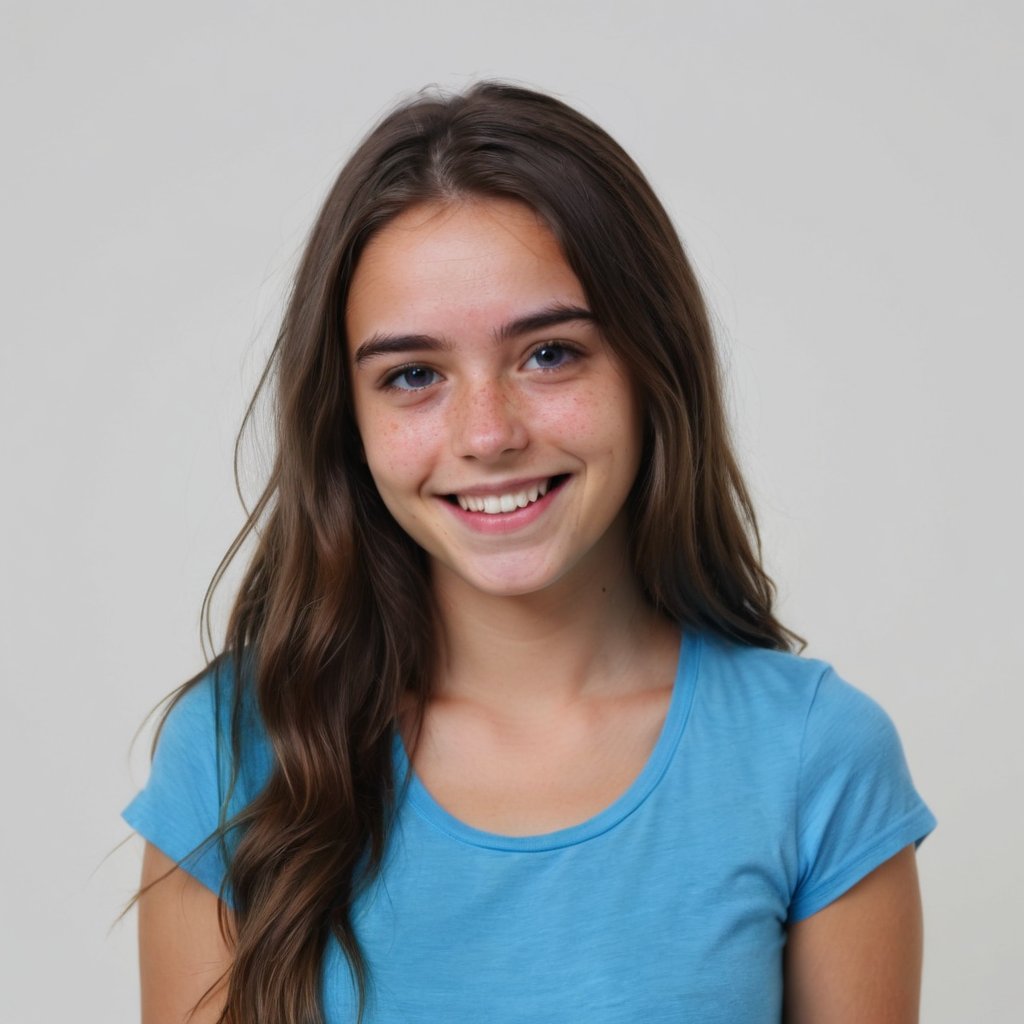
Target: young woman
504,728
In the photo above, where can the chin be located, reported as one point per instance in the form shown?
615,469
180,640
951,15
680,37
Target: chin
511,581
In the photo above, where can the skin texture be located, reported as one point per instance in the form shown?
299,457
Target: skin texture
479,413
858,961
181,950
548,654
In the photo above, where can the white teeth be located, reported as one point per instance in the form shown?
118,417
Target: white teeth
493,504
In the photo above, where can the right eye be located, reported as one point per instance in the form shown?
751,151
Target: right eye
410,378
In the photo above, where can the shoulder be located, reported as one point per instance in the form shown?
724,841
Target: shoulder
797,704
202,717
767,691
819,751
803,692
197,710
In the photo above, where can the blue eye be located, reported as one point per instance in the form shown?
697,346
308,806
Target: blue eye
551,355
411,378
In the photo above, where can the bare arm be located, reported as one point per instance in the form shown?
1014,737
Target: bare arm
181,949
858,961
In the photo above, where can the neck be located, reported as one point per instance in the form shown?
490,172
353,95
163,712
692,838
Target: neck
589,635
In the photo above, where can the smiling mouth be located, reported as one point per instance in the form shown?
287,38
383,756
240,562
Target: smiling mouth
499,503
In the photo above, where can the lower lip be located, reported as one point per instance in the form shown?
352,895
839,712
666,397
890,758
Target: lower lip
504,522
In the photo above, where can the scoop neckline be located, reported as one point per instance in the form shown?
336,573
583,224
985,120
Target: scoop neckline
420,800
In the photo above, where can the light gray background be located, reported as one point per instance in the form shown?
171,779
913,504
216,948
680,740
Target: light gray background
847,179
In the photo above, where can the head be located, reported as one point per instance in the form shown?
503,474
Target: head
498,141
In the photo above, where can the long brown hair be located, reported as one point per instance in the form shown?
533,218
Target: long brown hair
332,623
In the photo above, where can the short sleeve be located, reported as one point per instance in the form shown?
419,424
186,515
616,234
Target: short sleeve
857,805
179,808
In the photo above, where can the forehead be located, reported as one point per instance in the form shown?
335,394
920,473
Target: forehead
439,268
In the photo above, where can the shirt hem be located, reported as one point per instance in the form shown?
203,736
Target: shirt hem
912,829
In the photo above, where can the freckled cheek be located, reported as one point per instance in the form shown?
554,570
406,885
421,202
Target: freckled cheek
398,453
600,420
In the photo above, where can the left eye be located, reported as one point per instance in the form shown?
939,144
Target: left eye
411,378
550,356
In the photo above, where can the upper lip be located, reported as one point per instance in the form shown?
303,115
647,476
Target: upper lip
499,487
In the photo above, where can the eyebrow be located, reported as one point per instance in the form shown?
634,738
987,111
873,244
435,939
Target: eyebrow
395,344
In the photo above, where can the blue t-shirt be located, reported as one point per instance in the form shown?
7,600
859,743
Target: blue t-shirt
773,788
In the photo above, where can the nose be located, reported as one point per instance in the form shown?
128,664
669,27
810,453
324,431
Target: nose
488,422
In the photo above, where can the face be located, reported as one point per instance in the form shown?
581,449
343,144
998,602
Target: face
499,428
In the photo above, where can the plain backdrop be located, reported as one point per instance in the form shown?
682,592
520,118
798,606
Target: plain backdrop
847,179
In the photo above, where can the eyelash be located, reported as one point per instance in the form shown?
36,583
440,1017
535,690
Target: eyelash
388,384
562,346
569,350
